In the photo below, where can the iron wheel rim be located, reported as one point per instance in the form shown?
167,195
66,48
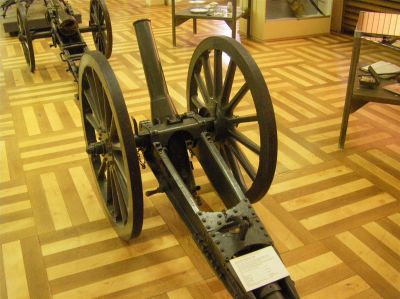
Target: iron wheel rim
100,19
25,37
207,81
107,127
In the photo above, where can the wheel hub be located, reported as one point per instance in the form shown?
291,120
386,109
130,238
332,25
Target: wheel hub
97,148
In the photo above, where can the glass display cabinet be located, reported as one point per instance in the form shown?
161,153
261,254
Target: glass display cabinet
228,11
277,19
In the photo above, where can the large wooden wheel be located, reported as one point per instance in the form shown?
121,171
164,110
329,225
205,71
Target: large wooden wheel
111,145
101,23
24,36
224,82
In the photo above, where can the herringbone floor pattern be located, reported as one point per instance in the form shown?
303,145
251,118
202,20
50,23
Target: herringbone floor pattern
334,215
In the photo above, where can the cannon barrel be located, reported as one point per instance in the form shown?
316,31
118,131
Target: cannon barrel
161,104
67,24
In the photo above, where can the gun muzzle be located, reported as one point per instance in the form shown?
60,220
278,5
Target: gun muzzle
161,104
68,24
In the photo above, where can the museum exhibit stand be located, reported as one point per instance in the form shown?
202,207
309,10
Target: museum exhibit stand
375,32
227,11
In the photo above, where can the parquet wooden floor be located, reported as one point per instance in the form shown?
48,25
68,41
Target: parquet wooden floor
334,215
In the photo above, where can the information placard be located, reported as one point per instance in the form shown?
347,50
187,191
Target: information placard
259,268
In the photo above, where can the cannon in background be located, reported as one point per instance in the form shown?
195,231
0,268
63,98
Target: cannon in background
65,31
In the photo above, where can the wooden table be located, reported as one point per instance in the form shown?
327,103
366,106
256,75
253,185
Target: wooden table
371,26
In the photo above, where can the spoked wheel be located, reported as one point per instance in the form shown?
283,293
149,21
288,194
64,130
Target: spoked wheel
100,20
24,36
224,82
111,145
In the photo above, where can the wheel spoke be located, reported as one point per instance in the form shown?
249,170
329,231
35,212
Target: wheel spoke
202,87
100,43
92,120
112,133
91,99
101,16
217,73
99,97
115,202
108,192
205,60
103,37
98,12
237,98
107,112
232,162
247,142
102,170
93,116
118,159
241,157
123,189
243,119
227,88
120,192
94,18
96,37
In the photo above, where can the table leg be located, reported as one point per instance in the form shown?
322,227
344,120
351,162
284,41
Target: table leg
194,25
248,18
173,24
349,93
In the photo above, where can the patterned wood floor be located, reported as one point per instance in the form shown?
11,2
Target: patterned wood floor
334,215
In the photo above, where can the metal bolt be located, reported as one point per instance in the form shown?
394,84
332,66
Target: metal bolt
199,213
219,222
219,215
234,211
208,227
203,219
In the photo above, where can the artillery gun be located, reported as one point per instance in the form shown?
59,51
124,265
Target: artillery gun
224,104
65,31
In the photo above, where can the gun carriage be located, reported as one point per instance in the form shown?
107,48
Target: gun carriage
212,131
65,32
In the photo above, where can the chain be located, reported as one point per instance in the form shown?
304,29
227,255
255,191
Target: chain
141,159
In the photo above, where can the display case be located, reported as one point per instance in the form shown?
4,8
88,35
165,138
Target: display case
228,11
278,19
378,33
